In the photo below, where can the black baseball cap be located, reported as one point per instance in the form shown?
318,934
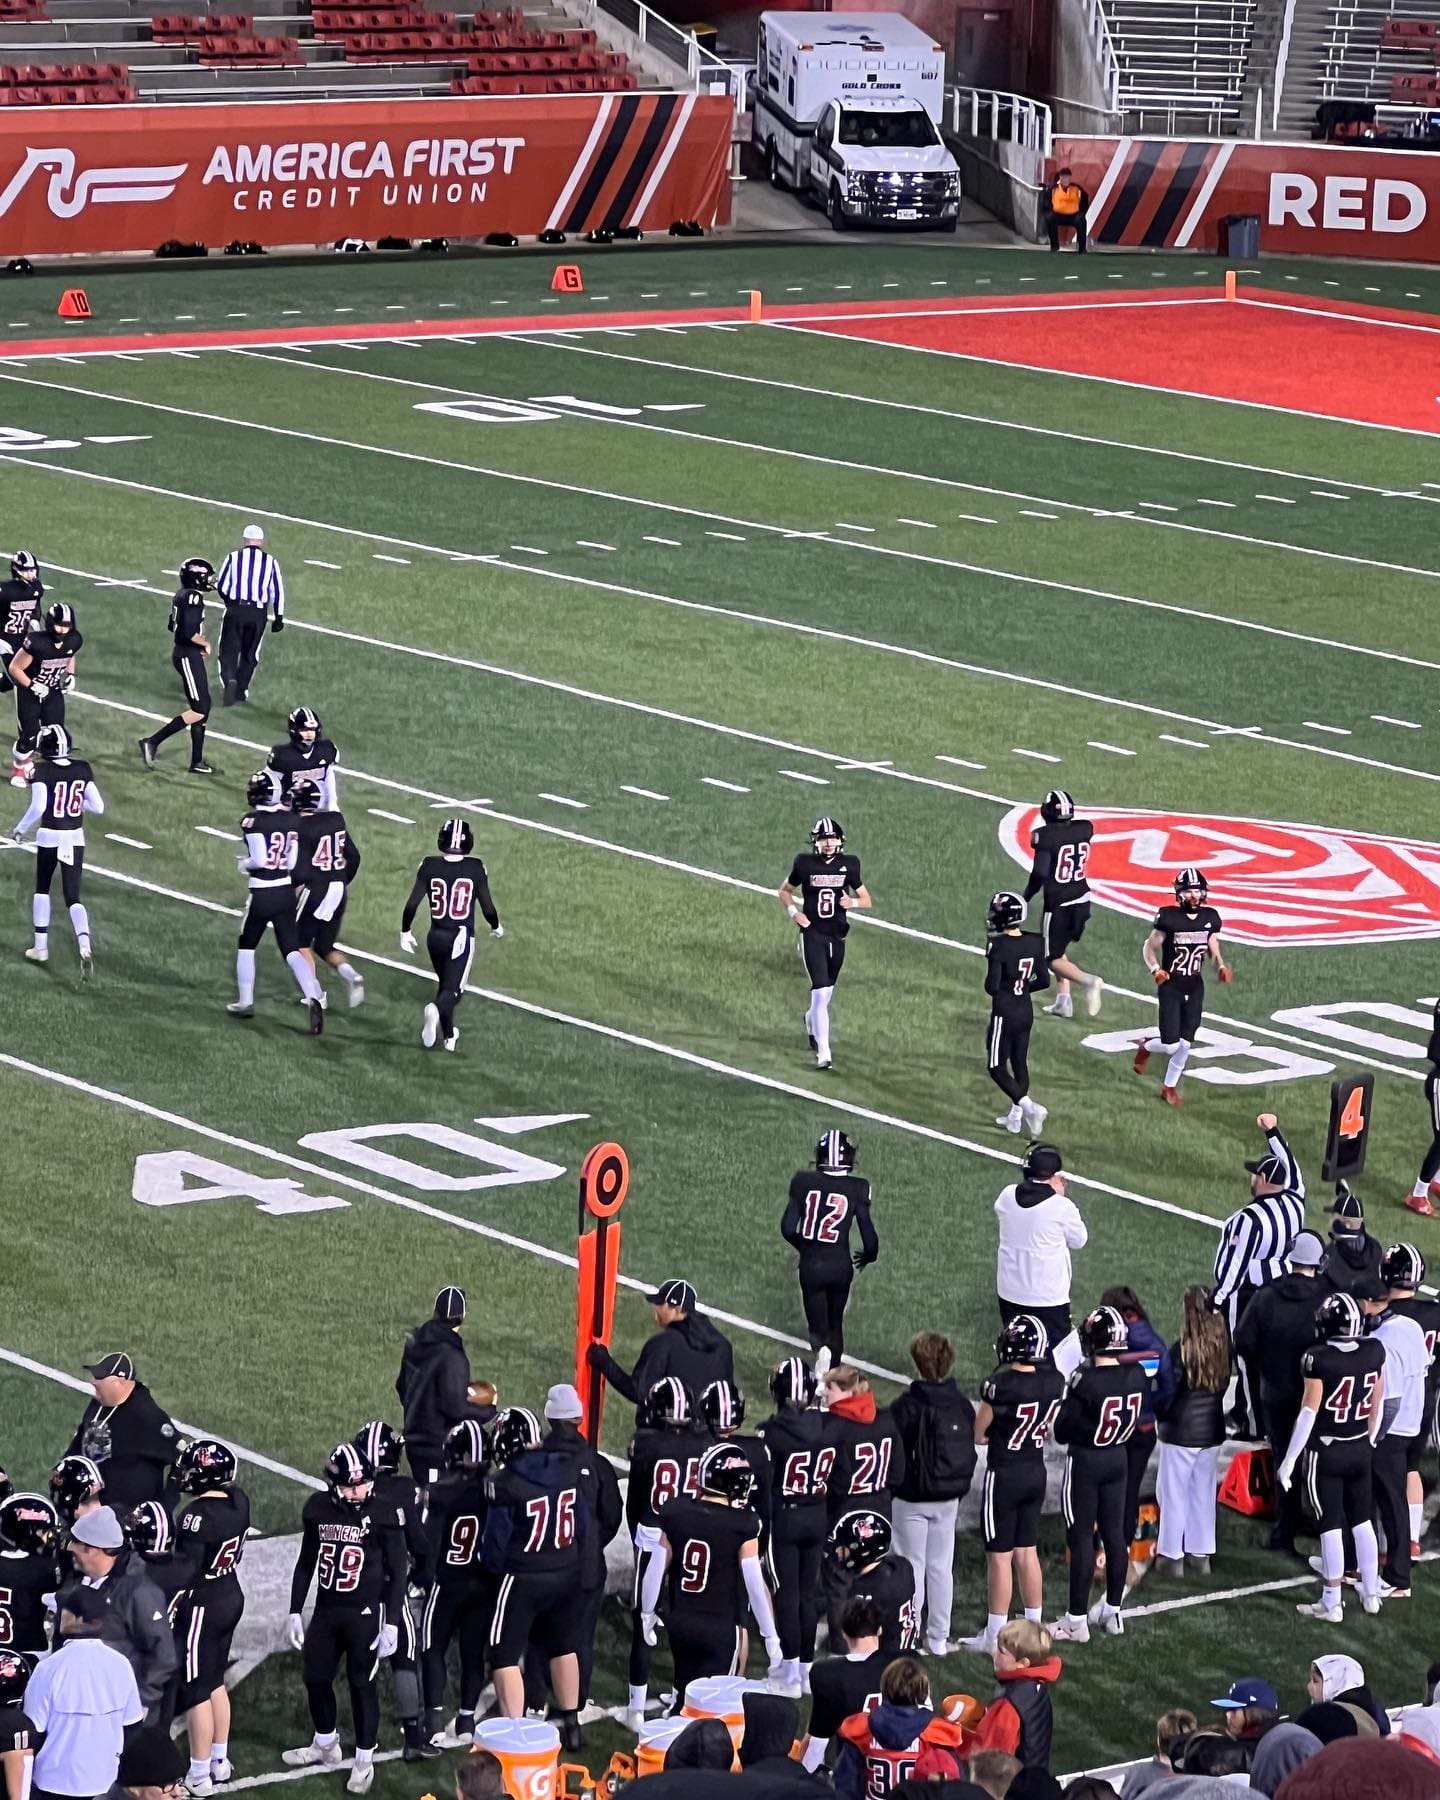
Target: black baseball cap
1372,1288
117,1365
1041,1162
674,1293
450,1304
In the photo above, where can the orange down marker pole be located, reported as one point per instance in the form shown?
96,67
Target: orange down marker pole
755,312
1231,283
604,1183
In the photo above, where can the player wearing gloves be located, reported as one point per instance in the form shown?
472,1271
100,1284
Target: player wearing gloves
710,1548
453,884
357,1559
1183,937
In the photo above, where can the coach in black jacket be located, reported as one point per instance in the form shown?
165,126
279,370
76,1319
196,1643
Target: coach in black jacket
687,1346
1354,1259
127,1434
434,1385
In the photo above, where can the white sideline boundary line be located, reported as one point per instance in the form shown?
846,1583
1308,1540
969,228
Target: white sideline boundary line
64,1379
1239,1593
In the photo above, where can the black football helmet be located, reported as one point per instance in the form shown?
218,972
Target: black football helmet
52,743
1103,1332
24,567
516,1430
860,1537
1005,911
303,726
345,1471
1191,882
196,575
1402,1266
464,1447
261,789
305,797
722,1407
73,1481
668,1405
149,1529
14,1673
826,828
1339,1316
726,1472
835,1152
1023,1340
381,1445
29,1522
792,1383
7,1486
455,838
203,1464
59,619
1056,806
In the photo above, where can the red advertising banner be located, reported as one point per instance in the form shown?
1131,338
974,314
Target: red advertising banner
1311,199
82,181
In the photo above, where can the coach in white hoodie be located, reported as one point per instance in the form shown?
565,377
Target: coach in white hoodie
1039,1227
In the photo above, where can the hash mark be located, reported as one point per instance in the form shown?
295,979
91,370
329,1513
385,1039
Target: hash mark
1325,494
565,800
730,787
312,562
380,556
227,837
644,793
1031,513
590,544
1038,755
1275,499
800,775
977,518
379,812
845,525
960,762
1334,730
1168,737
1385,719
732,537
1229,505
924,524
1114,749
529,550
1158,506
671,543
117,837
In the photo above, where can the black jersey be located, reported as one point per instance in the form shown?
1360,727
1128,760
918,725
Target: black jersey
64,784
1349,1377
19,605
1102,1406
314,763
841,1686
173,1574
1023,1405
16,1731
24,1579
324,850
1015,968
452,887
535,1517
664,1465
50,656
1185,942
890,1586
819,1216
454,1528
211,1532
399,1499
1062,855
187,621
869,1463
355,1555
821,880
705,1541
802,1447
1432,1049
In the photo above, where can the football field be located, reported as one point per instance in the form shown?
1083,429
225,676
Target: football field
641,590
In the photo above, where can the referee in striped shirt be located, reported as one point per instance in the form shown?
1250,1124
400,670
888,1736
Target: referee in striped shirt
1255,1242
252,587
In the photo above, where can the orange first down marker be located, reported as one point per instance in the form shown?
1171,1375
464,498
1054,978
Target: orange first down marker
73,304
567,279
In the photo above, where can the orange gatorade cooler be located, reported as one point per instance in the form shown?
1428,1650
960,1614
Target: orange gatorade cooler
656,1737
529,1753
721,1697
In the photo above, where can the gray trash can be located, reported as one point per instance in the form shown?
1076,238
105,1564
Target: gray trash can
1240,236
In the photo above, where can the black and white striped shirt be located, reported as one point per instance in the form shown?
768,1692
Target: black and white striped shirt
252,577
1255,1241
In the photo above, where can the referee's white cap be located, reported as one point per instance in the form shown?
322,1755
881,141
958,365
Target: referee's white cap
254,534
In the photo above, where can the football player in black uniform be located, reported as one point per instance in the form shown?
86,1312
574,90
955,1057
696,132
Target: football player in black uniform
453,884
20,599
356,1557
842,1685
802,1442
211,1534
1183,936
711,1548
534,1522
76,1485
1419,1199
823,886
270,850
30,1538
42,672
188,650
721,1408
1402,1271
1018,1407
859,1547
62,791
396,1494
18,1736
457,1597
664,1458
1340,1417
1098,1416
1061,846
327,860
1015,968
824,1203
307,754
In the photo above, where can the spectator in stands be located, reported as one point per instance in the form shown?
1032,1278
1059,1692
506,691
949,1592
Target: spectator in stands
1066,204
1215,1754
701,1746
1192,1429
1021,1718
1363,1771
1171,1729
937,1427
1143,1345
901,1735
1278,1754
480,1776
994,1770
1341,1680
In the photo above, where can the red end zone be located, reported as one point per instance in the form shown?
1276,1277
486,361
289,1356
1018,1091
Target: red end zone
1362,365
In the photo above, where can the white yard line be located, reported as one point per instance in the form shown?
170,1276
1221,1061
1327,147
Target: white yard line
1215,1599
1168,737
1037,755
395,818
565,800
1114,749
118,837
730,787
276,1777
800,775
642,792
1385,719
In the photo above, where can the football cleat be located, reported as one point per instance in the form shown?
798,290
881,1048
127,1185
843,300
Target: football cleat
452,1040
317,1017
980,1645
1094,996
1389,1592
1071,1630
1420,1203
822,1061
87,965
37,956
430,1025
147,752
1317,1609
1142,1057
1035,1116
222,1771
1171,1096
356,995
240,1009
202,768
1012,1121
200,1786
362,1779
1061,1007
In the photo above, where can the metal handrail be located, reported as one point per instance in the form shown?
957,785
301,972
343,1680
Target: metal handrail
1003,118
1281,60
1098,30
702,67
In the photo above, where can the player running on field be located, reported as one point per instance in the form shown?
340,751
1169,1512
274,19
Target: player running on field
453,883
1183,936
1061,847
1014,969
822,888
62,791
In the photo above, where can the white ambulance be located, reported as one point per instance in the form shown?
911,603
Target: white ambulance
846,111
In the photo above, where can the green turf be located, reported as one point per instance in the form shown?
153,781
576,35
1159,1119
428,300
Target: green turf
661,601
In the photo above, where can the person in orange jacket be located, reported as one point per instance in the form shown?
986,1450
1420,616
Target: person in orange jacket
1021,1717
900,1737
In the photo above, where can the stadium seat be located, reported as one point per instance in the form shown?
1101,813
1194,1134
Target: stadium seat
1409,34
243,51
1415,90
